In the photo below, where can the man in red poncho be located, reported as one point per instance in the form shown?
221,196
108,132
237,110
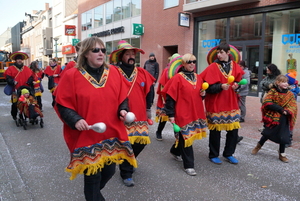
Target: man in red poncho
139,101
17,75
222,109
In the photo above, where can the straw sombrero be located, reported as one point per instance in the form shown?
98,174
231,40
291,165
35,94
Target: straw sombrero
212,54
22,55
122,45
174,66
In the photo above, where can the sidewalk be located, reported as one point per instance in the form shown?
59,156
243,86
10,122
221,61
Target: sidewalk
253,122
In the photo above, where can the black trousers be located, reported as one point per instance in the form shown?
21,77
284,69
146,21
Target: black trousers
126,170
39,101
263,139
187,153
94,183
214,143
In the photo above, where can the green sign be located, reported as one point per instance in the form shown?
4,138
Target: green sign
75,41
138,29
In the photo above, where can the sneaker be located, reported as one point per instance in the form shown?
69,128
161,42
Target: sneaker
190,171
177,158
216,160
128,182
240,138
232,160
158,136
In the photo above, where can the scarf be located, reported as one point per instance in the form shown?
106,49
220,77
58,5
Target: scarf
286,100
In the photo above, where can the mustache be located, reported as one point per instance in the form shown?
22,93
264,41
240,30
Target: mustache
131,59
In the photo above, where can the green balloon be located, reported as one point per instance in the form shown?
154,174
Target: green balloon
176,128
243,82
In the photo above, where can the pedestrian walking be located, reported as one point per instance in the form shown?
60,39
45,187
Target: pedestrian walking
152,67
139,101
185,108
279,113
35,82
222,110
91,93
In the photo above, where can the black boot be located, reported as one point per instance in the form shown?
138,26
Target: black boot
160,127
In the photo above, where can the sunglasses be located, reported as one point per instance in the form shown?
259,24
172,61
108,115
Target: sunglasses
96,50
189,61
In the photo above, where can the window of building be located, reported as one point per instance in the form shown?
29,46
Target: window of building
117,10
109,11
170,3
86,20
98,16
126,5
136,8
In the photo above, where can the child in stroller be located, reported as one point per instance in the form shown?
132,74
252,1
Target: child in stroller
28,108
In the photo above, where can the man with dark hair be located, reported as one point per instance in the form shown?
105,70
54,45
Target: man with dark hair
222,109
17,75
153,68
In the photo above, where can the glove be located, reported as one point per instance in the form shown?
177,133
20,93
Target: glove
148,111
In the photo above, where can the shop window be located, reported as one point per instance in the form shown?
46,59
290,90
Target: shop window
109,12
98,16
117,10
170,3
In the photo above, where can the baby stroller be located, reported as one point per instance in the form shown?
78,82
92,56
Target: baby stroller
28,108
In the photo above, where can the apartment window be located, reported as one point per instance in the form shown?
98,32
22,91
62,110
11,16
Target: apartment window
170,3
86,20
109,12
136,7
257,28
98,16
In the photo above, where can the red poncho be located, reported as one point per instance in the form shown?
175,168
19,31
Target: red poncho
20,75
95,102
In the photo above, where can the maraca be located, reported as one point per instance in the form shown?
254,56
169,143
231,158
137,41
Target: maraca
205,85
98,127
150,122
129,117
22,98
176,128
230,79
38,81
243,82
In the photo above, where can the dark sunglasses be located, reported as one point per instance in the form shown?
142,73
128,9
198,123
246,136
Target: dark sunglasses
189,61
96,50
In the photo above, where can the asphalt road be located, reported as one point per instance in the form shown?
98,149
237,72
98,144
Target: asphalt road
32,166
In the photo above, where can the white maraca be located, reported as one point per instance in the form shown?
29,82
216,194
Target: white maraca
129,117
98,127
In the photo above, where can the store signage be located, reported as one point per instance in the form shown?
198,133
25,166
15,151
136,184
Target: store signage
184,19
210,43
70,30
75,41
291,39
137,29
109,32
68,49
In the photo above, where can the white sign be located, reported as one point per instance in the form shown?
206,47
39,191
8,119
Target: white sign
184,19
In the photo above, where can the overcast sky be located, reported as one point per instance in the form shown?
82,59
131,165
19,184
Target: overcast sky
13,11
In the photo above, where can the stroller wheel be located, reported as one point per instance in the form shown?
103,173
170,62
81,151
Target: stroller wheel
36,121
41,123
24,126
20,122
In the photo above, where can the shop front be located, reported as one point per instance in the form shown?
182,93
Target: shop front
261,37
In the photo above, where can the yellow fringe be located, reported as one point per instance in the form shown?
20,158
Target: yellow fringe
161,118
226,127
189,142
139,139
94,168
38,94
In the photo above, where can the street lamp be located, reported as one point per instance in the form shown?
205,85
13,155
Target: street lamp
55,39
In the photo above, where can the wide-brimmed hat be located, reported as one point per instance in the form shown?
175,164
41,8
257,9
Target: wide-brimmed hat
18,55
212,54
122,45
174,66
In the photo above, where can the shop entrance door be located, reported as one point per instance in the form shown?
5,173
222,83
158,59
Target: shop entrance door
250,53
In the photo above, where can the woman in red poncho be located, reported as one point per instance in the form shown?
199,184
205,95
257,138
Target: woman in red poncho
35,82
184,107
91,93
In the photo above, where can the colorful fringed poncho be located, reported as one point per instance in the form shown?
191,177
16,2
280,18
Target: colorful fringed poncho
140,82
222,110
50,71
286,101
161,99
189,108
95,102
